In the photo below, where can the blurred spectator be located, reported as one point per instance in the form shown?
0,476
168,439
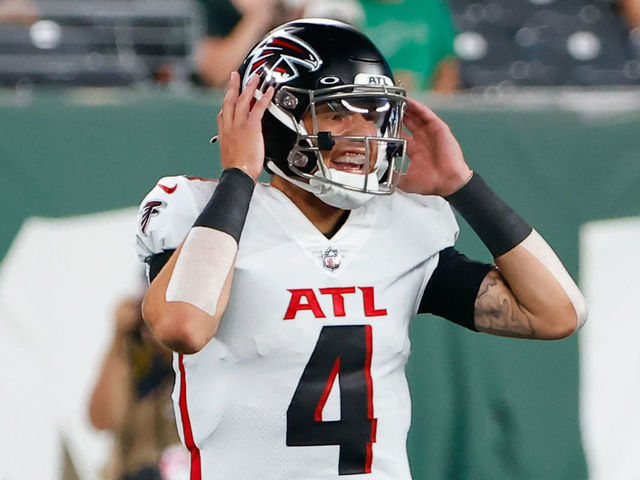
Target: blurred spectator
18,11
505,45
132,399
233,27
349,11
631,11
417,37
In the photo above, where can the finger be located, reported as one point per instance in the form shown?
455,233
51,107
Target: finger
412,148
421,127
416,119
411,143
229,101
244,101
261,105
405,182
422,114
414,107
416,127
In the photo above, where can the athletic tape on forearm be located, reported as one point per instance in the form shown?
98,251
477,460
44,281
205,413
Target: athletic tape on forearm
204,263
497,225
540,249
227,209
208,253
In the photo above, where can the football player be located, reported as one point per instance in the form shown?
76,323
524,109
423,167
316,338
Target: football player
288,304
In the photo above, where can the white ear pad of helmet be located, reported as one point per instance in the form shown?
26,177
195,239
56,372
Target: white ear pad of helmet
303,185
287,119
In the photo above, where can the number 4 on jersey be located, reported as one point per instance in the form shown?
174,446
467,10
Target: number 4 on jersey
343,351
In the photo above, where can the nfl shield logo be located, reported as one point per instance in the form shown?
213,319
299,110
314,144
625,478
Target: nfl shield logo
331,258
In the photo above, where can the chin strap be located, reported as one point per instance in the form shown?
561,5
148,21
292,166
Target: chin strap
330,194
303,185
317,186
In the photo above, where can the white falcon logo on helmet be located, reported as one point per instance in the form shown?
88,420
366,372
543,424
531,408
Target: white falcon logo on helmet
280,55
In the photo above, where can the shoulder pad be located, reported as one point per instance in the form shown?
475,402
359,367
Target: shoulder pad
441,217
168,211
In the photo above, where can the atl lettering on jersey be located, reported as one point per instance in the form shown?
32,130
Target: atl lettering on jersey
306,299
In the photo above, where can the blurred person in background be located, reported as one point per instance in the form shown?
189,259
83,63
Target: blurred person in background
232,28
18,12
416,37
631,11
132,399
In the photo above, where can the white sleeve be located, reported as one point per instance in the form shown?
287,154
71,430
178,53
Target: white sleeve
444,222
168,211
449,223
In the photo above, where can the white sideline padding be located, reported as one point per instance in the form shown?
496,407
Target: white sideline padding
59,285
609,348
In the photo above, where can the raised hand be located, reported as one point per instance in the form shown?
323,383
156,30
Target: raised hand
437,165
240,127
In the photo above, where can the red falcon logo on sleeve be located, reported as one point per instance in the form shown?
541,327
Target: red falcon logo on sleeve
151,208
280,56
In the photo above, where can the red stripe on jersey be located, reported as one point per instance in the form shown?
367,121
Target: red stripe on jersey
327,390
196,470
369,380
202,179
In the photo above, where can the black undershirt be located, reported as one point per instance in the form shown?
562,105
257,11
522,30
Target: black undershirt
156,262
452,289
450,293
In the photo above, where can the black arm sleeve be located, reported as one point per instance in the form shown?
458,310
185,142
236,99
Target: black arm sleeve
156,263
452,289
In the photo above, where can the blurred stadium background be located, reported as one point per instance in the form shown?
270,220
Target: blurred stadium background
101,98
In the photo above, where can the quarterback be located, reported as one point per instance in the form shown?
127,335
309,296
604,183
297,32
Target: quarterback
288,304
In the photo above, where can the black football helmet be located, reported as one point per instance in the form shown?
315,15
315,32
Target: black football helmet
320,62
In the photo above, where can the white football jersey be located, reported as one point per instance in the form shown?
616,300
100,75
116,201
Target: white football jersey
305,377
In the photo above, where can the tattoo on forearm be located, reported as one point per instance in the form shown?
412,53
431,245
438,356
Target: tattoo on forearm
496,312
